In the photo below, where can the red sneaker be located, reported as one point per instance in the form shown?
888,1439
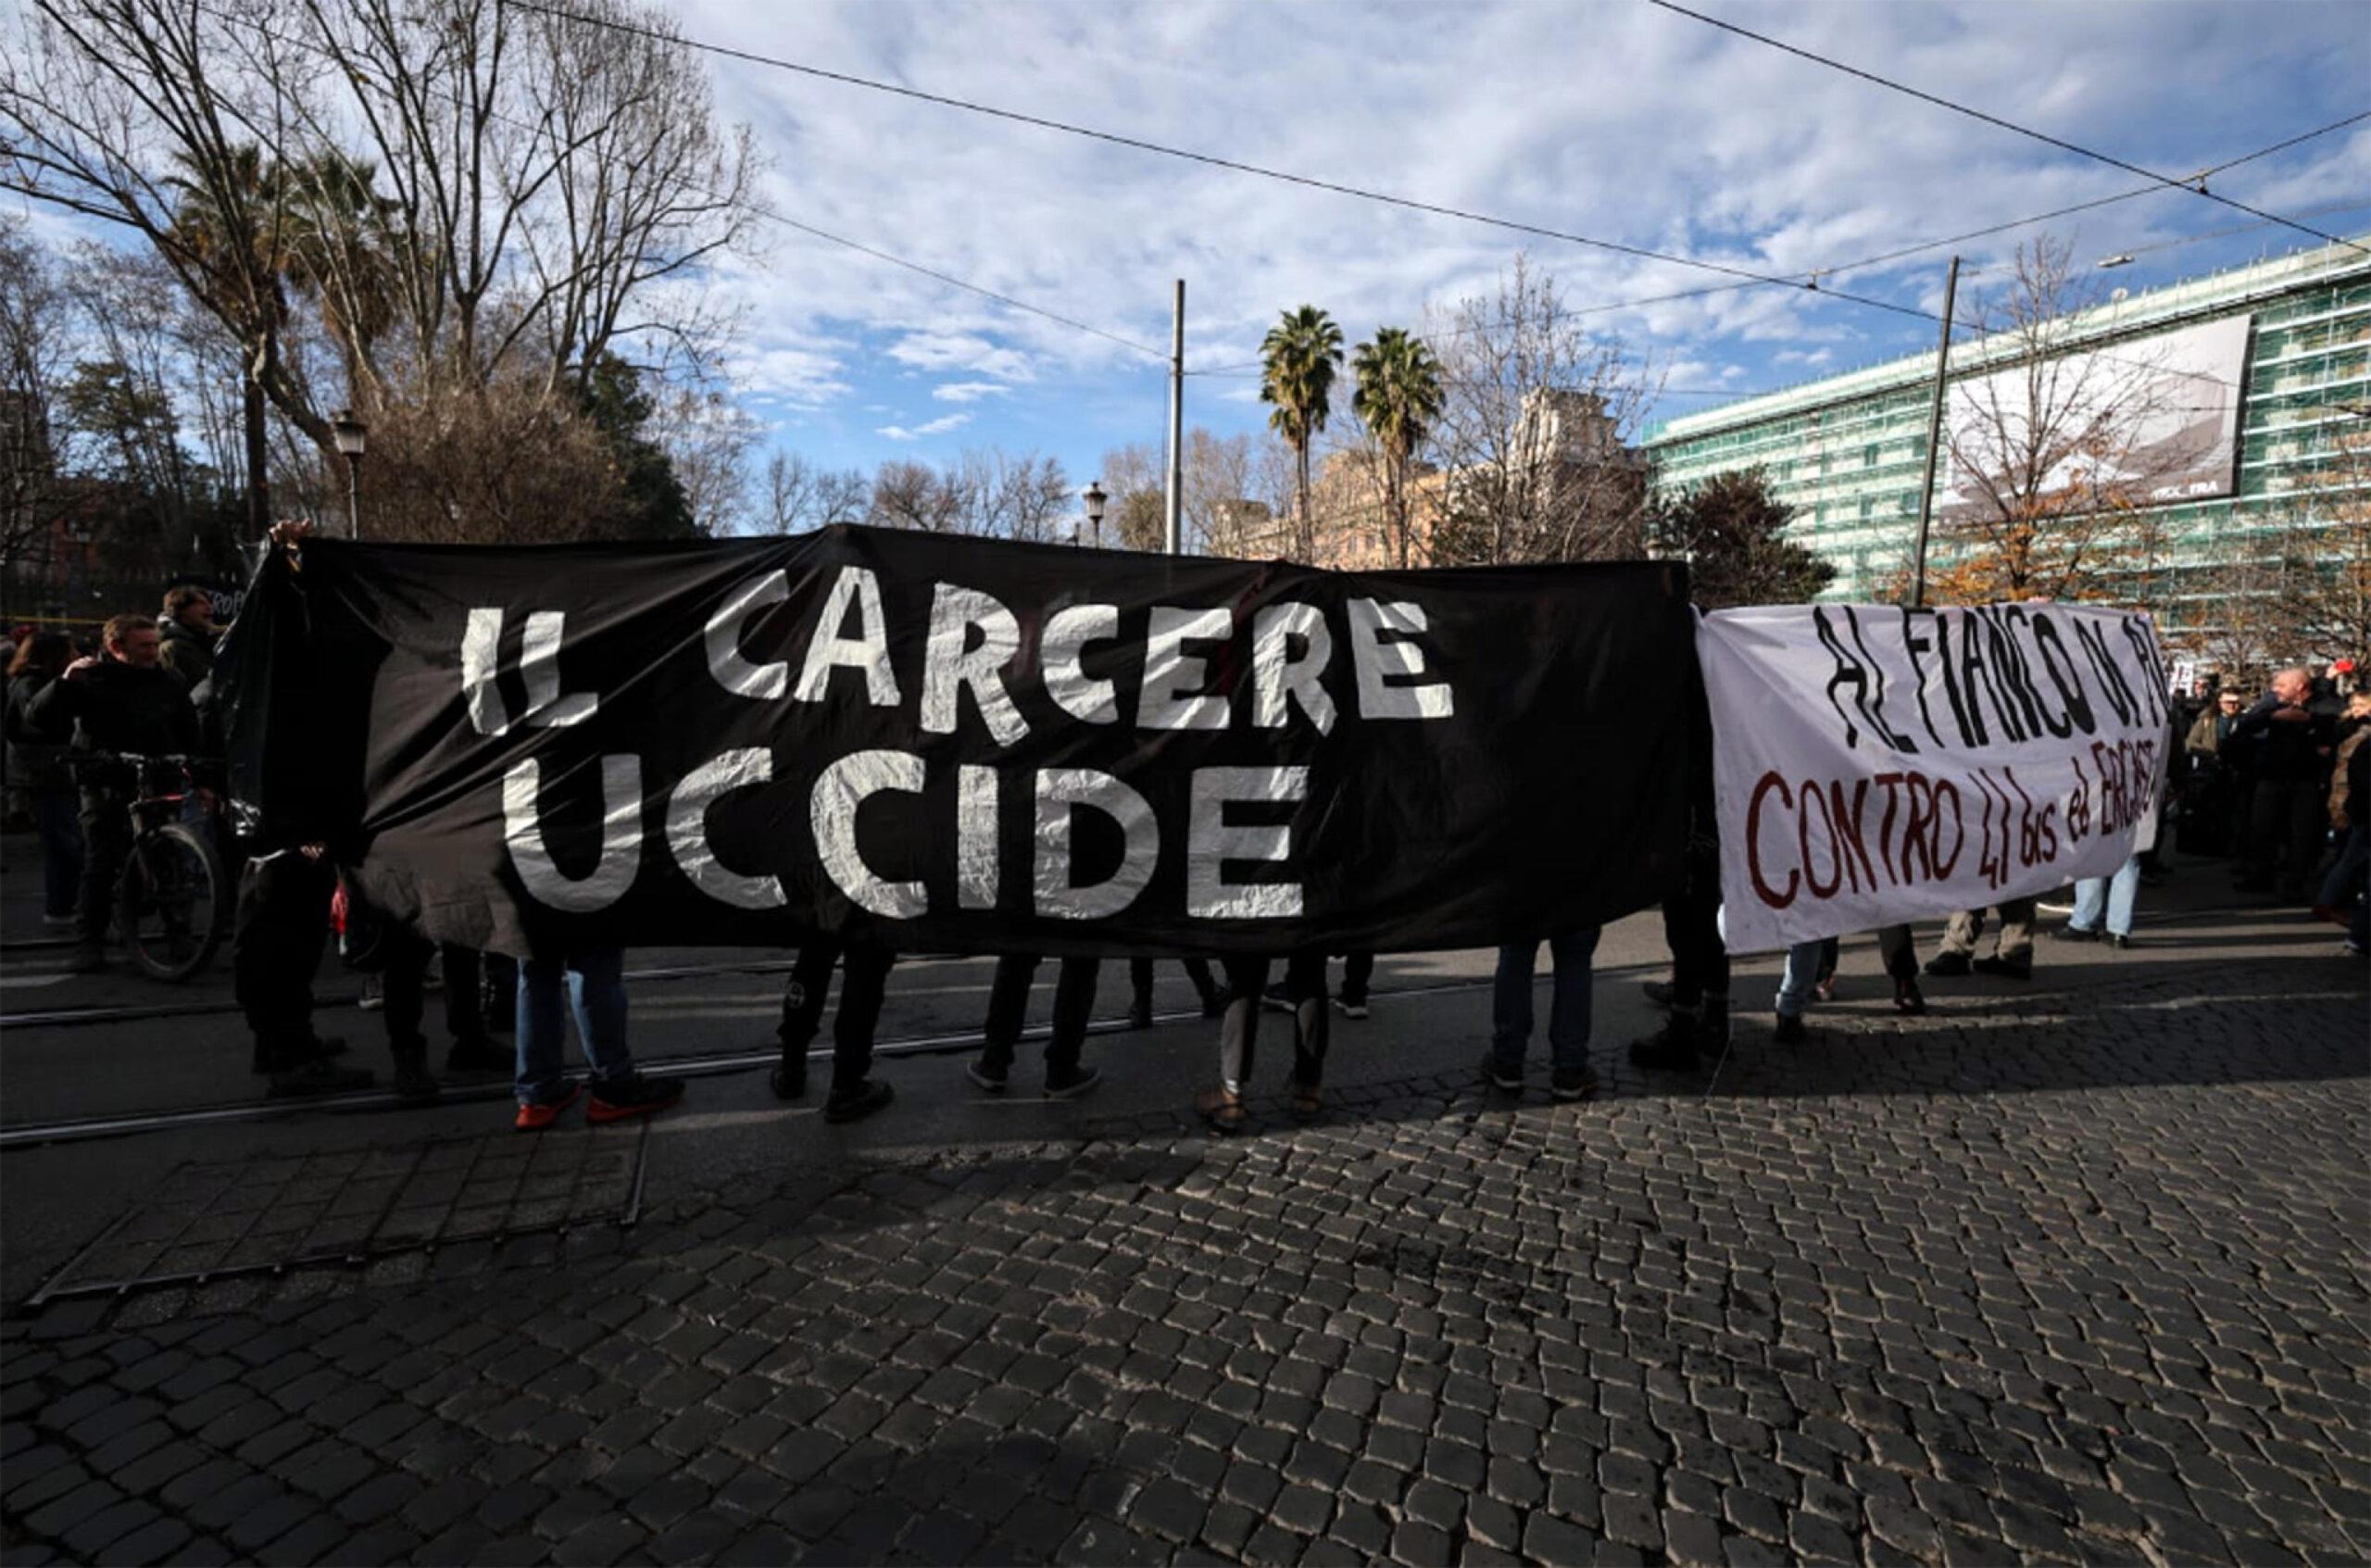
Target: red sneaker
637,1096
535,1116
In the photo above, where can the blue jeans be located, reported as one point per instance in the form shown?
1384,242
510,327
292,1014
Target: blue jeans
1568,1013
1802,972
595,992
62,849
2344,887
2113,893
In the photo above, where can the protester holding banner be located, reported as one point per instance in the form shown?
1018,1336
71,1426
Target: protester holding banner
2012,944
865,966
1009,1006
1198,970
2108,900
1246,984
589,983
1571,1002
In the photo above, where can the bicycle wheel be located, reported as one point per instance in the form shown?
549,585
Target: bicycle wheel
171,903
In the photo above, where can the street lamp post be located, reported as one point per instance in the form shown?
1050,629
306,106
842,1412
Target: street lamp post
351,434
1094,497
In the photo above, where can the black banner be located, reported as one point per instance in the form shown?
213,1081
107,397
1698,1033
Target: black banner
965,745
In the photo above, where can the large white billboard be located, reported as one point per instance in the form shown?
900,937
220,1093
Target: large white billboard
2147,420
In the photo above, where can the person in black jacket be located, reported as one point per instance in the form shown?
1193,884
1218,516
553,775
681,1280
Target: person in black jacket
37,765
122,700
2292,744
187,631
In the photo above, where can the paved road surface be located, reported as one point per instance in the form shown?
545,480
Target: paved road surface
2076,1271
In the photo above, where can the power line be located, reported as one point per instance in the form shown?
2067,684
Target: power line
2196,184
952,280
1209,159
1839,268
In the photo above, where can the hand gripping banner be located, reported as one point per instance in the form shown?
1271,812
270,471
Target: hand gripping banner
964,745
1878,764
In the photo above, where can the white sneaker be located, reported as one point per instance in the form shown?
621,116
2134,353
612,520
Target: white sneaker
1349,1010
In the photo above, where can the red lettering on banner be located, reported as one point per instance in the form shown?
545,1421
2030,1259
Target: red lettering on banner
1959,829
1753,842
1891,784
1914,832
1848,835
1811,796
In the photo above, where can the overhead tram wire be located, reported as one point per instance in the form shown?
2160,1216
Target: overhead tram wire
1838,270
2195,185
1212,159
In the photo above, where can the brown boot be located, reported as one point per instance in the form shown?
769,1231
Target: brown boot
1222,1108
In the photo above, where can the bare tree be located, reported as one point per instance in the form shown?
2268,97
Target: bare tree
35,496
2054,457
799,496
1137,479
1537,427
457,193
707,440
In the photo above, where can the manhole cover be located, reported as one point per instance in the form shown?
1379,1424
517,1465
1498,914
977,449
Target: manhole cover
280,1212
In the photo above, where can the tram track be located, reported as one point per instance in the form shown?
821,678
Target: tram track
80,1129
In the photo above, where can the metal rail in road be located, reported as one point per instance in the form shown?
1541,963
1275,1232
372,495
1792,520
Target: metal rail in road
68,1018
79,1129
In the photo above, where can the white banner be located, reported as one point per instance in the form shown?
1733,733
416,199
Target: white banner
1876,764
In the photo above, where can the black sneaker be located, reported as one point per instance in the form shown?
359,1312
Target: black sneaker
788,1079
1499,1075
1790,1030
1276,1001
414,1083
1214,1005
1907,997
857,1101
2072,932
1671,1048
988,1077
1349,1009
477,1053
2117,941
317,1075
2001,968
1573,1083
1658,992
621,1097
1948,965
1072,1082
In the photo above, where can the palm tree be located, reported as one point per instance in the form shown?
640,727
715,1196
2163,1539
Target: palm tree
227,222
1297,375
1398,397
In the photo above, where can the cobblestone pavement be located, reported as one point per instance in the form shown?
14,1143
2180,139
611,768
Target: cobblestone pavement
2036,1285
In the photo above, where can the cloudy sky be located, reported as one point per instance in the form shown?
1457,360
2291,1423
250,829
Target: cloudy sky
1614,120
1611,118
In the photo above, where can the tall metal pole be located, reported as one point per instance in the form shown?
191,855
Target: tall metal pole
1933,436
353,496
1176,499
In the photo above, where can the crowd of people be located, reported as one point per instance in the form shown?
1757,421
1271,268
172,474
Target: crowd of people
2278,784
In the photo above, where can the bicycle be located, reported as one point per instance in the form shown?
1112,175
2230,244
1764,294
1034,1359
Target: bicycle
172,898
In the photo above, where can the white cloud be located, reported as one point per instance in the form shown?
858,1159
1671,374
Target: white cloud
967,391
935,427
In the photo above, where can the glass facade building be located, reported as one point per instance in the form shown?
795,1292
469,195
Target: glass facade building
1848,452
